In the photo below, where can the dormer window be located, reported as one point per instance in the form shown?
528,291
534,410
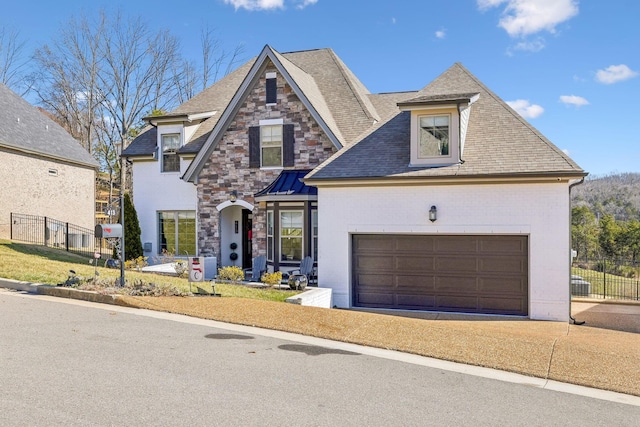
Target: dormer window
438,128
433,138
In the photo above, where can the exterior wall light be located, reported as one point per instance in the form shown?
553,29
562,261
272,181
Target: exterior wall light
233,196
433,214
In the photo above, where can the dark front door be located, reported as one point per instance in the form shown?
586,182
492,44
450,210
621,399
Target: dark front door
247,237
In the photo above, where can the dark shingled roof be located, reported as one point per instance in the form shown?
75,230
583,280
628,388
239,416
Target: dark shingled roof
145,143
499,142
24,128
289,183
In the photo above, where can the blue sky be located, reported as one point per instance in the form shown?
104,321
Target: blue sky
571,67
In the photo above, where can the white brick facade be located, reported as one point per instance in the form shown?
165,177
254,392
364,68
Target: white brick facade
540,211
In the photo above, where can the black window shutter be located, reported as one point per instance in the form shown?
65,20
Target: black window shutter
254,147
271,91
288,141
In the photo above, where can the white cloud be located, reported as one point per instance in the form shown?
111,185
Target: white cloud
393,20
525,17
268,4
525,108
578,101
304,3
615,73
565,151
441,34
530,46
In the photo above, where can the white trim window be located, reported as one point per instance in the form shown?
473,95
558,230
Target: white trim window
270,235
177,232
291,235
170,159
271,146
433,136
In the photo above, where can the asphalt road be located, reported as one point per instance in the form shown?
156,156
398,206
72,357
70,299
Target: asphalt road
65,362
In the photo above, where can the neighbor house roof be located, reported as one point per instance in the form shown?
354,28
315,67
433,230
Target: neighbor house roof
499,142
25,129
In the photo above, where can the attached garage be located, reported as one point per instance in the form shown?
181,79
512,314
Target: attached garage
462,273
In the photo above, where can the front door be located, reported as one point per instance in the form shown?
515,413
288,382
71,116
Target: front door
247,236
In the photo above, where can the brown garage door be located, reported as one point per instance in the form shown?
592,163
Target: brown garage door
466,273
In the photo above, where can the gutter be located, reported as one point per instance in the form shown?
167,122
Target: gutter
580,181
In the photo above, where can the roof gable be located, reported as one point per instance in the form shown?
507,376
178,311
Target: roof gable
286,70
24,128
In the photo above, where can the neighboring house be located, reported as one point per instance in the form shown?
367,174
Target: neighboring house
290,155
43,170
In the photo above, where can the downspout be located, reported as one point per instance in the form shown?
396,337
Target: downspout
575,322
459,134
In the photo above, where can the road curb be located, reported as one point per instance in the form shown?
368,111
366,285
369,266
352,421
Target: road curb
58,291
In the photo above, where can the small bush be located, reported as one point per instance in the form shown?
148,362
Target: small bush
137,263
272,278
182,268
232,273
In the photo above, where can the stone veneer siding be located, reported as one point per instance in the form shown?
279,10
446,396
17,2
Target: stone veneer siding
228,167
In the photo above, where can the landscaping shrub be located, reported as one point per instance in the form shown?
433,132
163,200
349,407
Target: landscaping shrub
272,279
231,273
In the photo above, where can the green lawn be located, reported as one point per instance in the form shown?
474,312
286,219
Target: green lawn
40,264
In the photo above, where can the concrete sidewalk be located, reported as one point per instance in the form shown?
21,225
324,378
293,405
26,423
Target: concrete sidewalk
603,353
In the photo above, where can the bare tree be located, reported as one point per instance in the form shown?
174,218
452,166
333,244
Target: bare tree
104,73
12,60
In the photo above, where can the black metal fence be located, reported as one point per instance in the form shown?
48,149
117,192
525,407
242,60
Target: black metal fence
42,230
606,278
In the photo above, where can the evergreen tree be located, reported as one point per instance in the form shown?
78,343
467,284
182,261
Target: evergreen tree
132,242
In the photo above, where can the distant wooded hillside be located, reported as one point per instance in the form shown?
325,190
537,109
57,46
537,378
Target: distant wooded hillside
617,195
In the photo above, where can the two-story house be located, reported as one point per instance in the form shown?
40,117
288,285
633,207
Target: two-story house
438,199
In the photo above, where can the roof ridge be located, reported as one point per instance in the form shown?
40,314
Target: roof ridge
364,103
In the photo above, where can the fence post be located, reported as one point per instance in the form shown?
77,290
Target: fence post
66,236
604,278
11,226
46,232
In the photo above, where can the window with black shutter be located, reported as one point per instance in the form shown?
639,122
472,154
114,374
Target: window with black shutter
288,141
254,146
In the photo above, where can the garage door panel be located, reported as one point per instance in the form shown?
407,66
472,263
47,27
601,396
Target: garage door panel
414,263
499,285
375,263
502,245
456,284
502,265
415,301
375,243
501,305
456,264
380,281
425,283
414,244
465,273
457,303
372,299
456,244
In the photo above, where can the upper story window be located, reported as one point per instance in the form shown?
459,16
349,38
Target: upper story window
272,88
271,146
170,159
438,128
433,138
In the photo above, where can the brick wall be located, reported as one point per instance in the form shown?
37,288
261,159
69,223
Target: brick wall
39,186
